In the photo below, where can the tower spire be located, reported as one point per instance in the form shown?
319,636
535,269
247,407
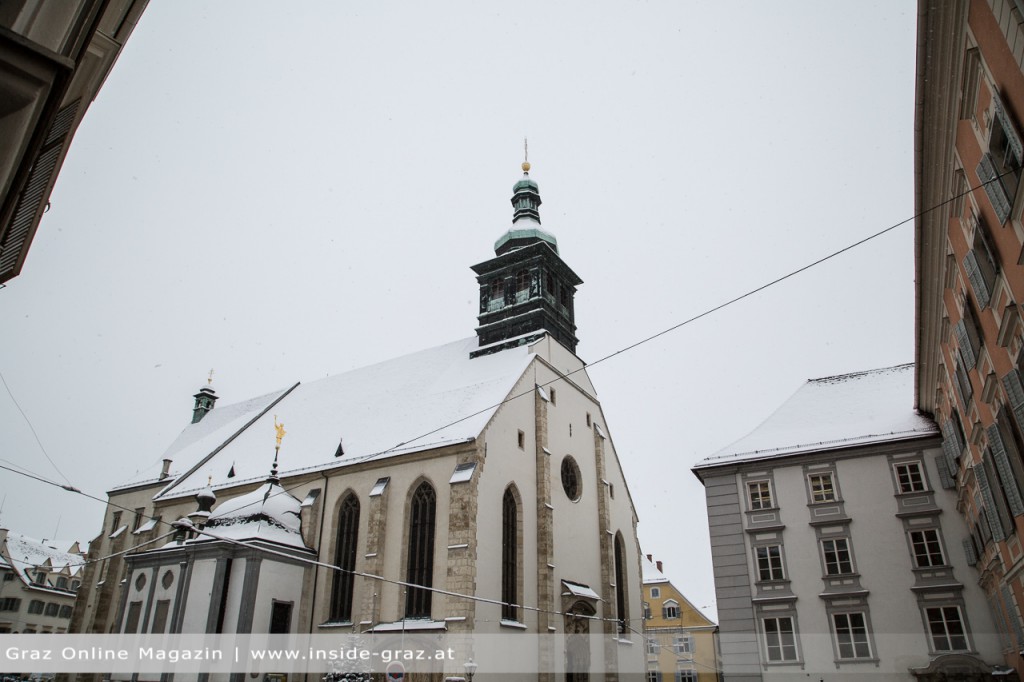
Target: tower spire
525,193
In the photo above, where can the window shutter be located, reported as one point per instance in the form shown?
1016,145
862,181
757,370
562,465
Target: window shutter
978,283
996,194
1015,391
998,450
944,478
1011,132
990,503
28,210
949,447
963,340
1011,613
972,555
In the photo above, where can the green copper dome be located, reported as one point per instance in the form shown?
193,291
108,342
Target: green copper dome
526,227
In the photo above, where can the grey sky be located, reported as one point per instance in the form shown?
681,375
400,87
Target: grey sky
282,194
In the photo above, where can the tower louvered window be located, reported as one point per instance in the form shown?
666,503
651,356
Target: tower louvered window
420,568
509,552
345,559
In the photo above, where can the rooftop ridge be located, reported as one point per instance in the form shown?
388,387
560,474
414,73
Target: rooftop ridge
877,370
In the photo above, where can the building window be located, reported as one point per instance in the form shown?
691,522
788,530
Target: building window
655,593
280,617
647,611
522,440
160,616
686,674
65,611
927,548
131,622
822,488
779,639
769,562
670,610
420,566
35,606
682,644
571,478
138,518
345,559
116,521
653,676
909,477
620,585
13,604
509,555
760,495
946,626
62,583
836,552
851,635
52,609
652,645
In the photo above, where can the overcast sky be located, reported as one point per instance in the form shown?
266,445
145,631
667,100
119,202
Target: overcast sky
285,193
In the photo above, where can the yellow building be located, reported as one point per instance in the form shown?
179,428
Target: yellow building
681,642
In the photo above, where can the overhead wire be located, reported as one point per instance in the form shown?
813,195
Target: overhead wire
33,430
70,488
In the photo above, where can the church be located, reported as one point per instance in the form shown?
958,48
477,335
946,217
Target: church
470,488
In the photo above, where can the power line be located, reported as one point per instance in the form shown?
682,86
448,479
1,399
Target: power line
630,347
33,430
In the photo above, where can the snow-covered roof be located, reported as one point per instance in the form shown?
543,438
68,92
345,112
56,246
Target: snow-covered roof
420,401
198,440
26,554
835,412
268,513
651,574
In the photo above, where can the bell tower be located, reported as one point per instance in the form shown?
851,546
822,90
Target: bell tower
526,290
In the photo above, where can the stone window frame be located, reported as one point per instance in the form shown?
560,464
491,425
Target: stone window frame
763,498
788,613
346,554
945,604
511,612
424,558
860,607
912,547
655,593
921,470
823,555
782,561
833,486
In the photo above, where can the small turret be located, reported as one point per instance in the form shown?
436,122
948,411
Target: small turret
205,399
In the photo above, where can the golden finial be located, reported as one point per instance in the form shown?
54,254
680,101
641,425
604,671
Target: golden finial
526,156
209,379
280,431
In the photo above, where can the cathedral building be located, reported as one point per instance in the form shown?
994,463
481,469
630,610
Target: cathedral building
468,488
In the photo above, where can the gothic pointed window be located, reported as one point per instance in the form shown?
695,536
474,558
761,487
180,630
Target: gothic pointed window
420,566
620,585
509,556
345,559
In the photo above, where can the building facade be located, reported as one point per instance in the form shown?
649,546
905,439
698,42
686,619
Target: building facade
54,57
968,247
478,480
680,642
38,584
836,543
